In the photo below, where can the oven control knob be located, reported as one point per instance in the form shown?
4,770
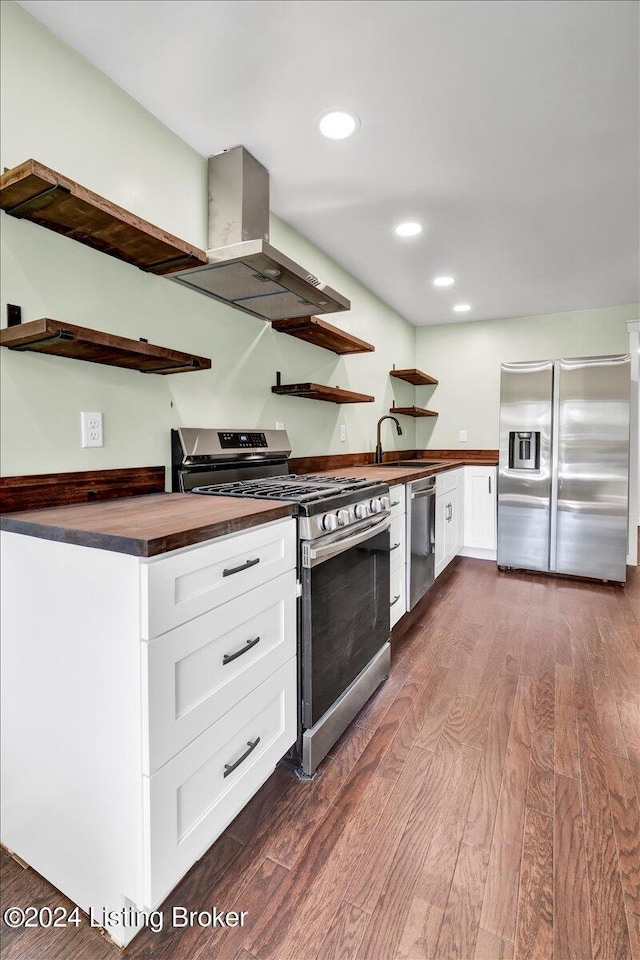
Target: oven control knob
362,510
344,518
330,521
386,503
376,505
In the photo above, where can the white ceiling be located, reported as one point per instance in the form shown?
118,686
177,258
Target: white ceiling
508,127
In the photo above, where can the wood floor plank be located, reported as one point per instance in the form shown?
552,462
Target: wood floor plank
274,934
303,930
345,934
634,934
626,823
484,802
432,837
540,788
489,947
332,779
630,720
610,937
566,732
499,908
459,928
438,714
370,873
534,937
572,925
224,943
621,645
392,763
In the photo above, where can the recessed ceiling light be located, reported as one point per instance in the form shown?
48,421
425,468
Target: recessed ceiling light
408,229
462,307
443,281
338,124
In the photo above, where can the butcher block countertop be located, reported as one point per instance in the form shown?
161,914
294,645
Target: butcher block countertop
404,474
145,526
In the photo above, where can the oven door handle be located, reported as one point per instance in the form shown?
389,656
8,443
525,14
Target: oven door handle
312,556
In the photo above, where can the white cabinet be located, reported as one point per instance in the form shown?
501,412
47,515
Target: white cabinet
398,555
480,512
161,695
449,518
193,797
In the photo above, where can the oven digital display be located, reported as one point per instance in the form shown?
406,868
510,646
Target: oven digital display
242,441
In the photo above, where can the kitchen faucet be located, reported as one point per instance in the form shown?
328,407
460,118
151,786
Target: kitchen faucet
378,456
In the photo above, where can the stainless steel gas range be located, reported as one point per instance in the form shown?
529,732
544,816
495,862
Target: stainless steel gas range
343,569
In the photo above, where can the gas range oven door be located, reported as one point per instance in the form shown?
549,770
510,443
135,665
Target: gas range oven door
345,653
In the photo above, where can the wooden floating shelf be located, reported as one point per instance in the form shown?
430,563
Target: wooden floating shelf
322,334
81,343
416,377
413,411
316,391
37,193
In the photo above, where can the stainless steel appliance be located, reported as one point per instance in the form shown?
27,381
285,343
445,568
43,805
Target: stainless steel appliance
564,466
421,538
243,269
343,569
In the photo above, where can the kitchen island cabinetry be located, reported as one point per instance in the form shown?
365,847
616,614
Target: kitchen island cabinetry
144,701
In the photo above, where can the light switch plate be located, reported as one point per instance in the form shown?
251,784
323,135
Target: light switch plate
343,433
463,436
91,425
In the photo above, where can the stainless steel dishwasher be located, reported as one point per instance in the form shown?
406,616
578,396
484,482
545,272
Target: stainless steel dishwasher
421,538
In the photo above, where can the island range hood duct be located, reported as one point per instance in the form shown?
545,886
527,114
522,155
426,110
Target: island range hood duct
243,269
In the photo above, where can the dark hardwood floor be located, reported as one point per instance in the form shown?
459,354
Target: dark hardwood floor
484,806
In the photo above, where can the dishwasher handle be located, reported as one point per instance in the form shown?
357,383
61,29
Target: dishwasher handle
430,492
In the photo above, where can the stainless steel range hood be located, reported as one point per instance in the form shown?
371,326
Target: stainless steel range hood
244,270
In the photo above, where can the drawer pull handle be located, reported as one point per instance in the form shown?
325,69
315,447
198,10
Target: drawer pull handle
395,600
230,767
394,547
243,566
394,503
228,657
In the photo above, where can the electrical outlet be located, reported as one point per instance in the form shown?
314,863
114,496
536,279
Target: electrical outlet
463,436
91,424
343,433
279,425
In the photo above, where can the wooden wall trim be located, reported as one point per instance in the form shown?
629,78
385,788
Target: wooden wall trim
58,489
466,455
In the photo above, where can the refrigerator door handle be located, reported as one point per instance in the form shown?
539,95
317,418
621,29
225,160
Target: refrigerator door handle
555,439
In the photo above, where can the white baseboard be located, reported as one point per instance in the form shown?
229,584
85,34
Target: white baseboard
479,553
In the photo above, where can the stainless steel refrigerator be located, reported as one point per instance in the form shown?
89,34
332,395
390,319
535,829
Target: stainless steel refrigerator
564,466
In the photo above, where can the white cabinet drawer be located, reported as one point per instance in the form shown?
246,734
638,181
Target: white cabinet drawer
179,587
397,499
398,597
449,480
194,797
192,675
398,540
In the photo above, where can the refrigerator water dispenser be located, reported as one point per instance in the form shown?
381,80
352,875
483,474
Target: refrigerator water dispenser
524,450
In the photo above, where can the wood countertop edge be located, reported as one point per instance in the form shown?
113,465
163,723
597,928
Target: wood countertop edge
139,547
387,473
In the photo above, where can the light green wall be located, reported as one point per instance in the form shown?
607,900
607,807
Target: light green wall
59,109
466,358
